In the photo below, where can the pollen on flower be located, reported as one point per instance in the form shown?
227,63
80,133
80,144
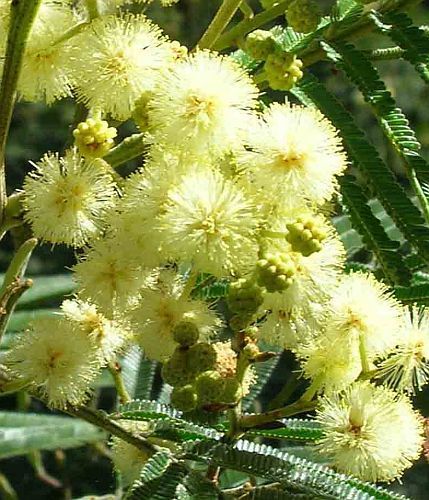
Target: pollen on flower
66,198
118,59
209,221
57,358
108,276
363,310
296,150
109,336
46,74
161,307
370,432
406,367
204,101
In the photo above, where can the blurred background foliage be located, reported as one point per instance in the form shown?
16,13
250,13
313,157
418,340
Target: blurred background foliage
37,129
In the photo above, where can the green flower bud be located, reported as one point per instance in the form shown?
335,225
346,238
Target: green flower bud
179,370
210,387
140,114
184,398
186,333
283,70
202,356
233,391
306,235
259,44
240,322
303,15
275,271
94,137
244,297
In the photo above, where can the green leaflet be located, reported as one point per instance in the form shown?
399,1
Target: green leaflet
146,410
131,147
418,294
22,433
209,288
159,478
167,422
413,40
383,183
294,429
138,373
263,373
391,119
46,288
373,233
294,472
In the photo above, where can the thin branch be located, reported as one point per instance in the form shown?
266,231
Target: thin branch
219,23
22,15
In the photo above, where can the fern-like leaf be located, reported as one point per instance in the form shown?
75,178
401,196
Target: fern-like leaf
263,374
413,40
294,429
416,294
383,183
159,478
391,118
373,233
297,473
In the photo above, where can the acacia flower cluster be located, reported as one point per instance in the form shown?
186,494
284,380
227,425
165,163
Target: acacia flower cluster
229,190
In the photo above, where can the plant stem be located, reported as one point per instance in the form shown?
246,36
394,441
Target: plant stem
22,15
9,301
103,421
92,8
363,355
71,32
250,24
18,265
249,421
424,202
285,393
131,147
219,22
116,372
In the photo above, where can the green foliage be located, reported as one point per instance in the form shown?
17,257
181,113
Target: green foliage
138,373
412,39
22,433
159,478
365,157
46,288
293,472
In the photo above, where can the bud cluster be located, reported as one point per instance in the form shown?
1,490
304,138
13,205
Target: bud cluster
306,235
303,15
94,137
282,68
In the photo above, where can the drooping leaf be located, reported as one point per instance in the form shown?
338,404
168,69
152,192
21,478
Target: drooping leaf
418,294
